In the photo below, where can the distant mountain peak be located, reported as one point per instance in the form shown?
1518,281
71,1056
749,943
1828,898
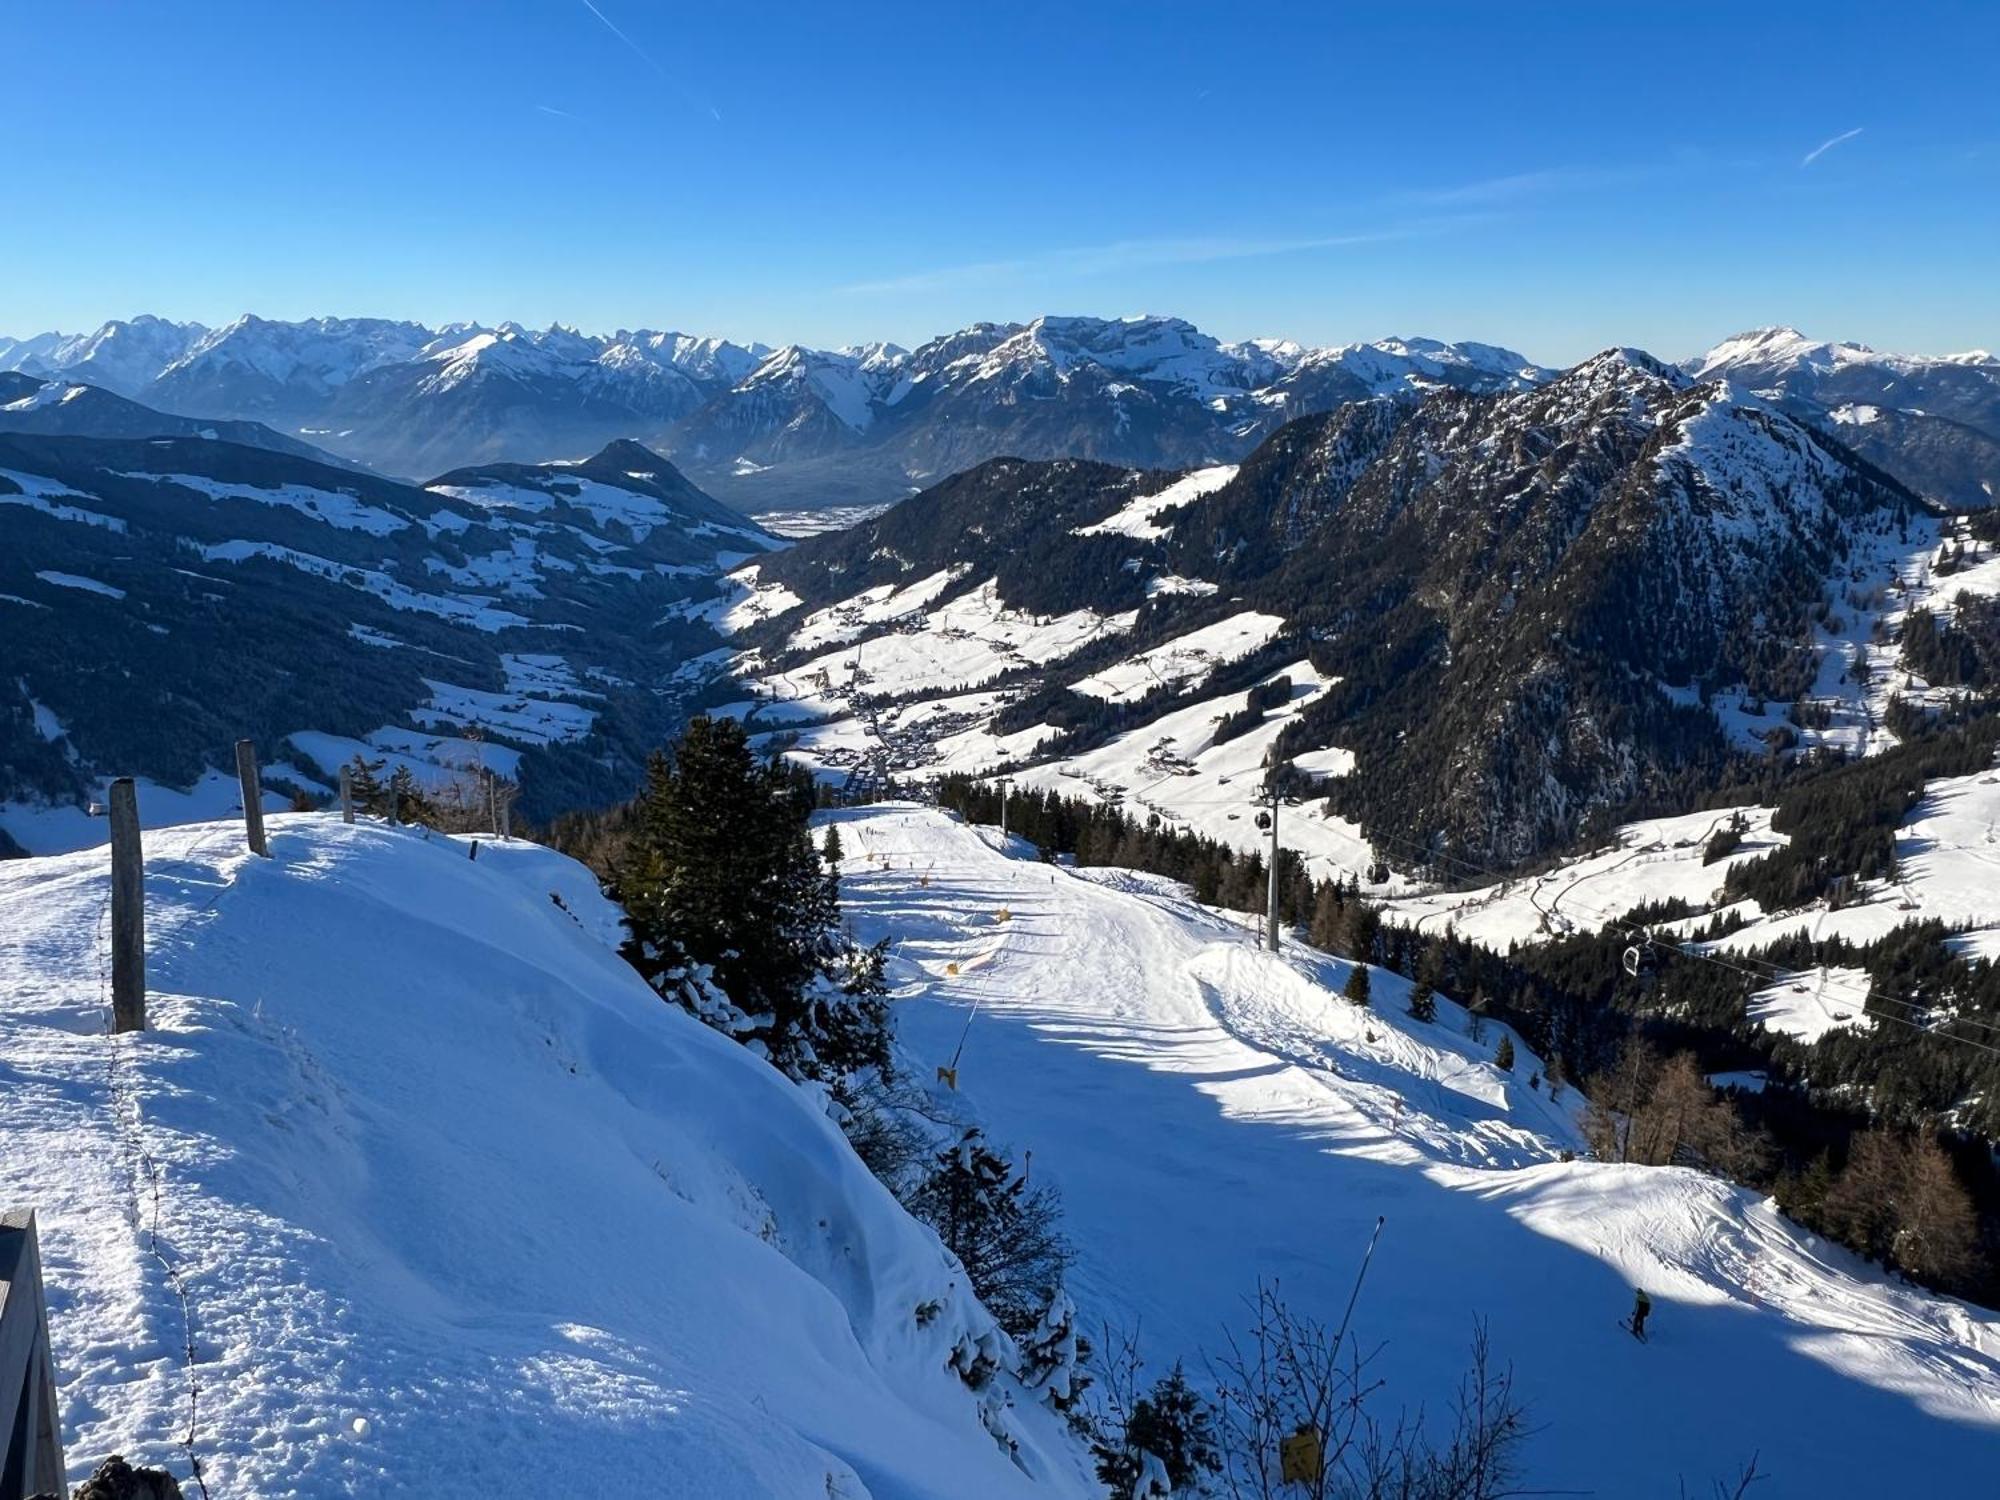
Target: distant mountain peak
628,455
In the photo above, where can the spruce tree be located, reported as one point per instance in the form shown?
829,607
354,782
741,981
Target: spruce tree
1359,926
1357,987
1327,921
1003,1233
732,914
1176,1426
407,797
1052,1353
1503,1055
1423,1001
364,785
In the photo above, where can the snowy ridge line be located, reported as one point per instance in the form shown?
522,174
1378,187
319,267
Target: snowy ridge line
125,1118
1744,964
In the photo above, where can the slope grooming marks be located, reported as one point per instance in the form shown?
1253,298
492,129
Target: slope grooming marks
1213,1113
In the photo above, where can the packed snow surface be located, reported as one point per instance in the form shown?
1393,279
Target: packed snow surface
459,1207
1213,1114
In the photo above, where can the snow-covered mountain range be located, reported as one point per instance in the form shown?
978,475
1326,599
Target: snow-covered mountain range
1932,422
768,428
758,426
1497,616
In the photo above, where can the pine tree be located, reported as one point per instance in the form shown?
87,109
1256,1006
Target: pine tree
1357,987
733,916
830,851
1503,1055
1052,1354
1173,1424
1423,1001
1004,1234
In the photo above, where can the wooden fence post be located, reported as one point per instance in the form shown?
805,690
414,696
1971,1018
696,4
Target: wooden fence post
346,795
253,796
128,910
33,1457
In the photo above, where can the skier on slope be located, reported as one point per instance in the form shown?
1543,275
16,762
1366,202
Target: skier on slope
1642,1306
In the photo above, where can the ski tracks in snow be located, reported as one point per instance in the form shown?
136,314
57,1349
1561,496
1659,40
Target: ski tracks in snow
1215,1114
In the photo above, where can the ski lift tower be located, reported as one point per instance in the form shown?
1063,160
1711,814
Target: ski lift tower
1267,818
1003,782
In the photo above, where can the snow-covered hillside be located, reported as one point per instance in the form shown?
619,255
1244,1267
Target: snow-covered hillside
242,591
1947,870
1213,1114
1144,607
458,1206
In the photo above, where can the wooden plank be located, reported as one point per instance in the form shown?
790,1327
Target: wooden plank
34,1458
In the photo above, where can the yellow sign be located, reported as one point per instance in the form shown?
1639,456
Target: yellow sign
1301,1458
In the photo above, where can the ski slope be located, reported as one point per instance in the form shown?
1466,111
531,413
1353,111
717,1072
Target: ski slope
1214,1114
460,1208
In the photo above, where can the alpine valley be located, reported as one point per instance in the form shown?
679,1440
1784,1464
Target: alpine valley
1630,735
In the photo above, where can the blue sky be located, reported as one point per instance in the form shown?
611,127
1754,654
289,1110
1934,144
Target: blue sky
1557,178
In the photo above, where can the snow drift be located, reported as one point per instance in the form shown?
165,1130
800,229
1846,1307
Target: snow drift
457,1205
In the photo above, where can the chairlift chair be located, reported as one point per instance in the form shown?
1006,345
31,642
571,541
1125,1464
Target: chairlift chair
1640,961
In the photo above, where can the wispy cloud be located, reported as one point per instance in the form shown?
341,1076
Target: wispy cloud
650,61
1515,187
1129,255
1825,146
560,114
